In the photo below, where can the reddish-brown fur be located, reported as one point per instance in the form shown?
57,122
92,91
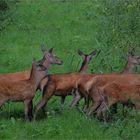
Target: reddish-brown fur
84,86
132,60
116,92
100,81
63,84
83,69
22,75
16,76
23,90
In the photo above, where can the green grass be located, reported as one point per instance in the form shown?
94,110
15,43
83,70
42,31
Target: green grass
67,25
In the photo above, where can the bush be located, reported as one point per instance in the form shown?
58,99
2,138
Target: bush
122,25
3,6
6,12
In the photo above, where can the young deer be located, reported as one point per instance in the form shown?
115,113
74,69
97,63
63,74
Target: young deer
62,84
83,69
86,59
84,84
132,60
116,92
24,90
98,82
26,74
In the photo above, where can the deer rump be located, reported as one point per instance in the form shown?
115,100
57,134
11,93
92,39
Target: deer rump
111,89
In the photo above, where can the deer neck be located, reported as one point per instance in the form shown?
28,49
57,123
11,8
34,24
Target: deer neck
35,78
46,62
128,67
84,67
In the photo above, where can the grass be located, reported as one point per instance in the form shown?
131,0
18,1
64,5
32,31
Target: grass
67,25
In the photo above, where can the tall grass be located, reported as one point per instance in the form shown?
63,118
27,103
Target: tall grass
111,26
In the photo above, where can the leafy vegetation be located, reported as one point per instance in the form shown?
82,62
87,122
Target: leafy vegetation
111,26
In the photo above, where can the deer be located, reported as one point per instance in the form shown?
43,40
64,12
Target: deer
113,93
132,60
83,69
100,81
24,90
62,84
26,74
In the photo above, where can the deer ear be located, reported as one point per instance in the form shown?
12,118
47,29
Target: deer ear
131,51
93,53
80,52
43,49
50,50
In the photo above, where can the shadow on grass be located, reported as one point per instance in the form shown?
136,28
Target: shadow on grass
4,114
42,115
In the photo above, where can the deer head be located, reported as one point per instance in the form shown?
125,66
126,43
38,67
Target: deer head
87,57
132,58
86,60
50,57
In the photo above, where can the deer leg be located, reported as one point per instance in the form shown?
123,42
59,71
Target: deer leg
2,101
42,103
86,105
27,109
31,110
100,111
93,107
63,100
43,109
76,99
104,107
47,94
96,102
75,94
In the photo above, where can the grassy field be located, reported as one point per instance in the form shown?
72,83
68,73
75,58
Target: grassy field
111,26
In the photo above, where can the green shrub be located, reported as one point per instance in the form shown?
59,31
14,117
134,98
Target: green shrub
3,6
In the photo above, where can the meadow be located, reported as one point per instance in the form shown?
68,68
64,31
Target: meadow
109,26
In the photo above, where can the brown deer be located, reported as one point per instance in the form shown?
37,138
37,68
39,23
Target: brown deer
110,94
62,84
24,90
99,82
86,59
26,74
132,60
83,69
84,84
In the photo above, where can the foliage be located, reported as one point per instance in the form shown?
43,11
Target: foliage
111,26
6,13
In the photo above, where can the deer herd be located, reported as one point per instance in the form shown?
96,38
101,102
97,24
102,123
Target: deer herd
99,91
